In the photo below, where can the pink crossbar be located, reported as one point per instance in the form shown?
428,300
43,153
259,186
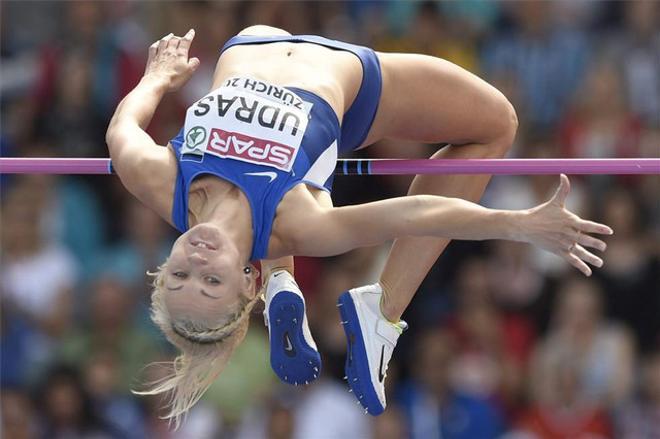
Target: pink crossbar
380,166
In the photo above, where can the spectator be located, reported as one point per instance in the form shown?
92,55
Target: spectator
564,412
638,52
145,245
601,352
116,409
536,65
110,328
433,408
641,418
328,410
431,32
390,425
630,274
17,414
600,124
66,408
492,346
30,262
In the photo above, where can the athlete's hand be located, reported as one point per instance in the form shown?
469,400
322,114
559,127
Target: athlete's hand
168,61
552,227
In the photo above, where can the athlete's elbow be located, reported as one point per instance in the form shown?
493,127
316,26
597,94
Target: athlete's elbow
111,140
116,137
113,136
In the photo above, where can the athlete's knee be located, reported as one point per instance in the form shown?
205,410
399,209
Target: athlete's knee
507,126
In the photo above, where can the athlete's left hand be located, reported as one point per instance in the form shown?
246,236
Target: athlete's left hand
554,228
168,61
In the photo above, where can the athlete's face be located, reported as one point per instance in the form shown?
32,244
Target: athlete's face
204,277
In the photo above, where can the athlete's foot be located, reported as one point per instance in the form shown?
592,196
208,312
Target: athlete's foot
293,353
371,339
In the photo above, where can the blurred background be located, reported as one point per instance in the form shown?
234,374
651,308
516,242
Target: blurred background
504,340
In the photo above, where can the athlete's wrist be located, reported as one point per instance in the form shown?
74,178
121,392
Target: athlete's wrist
157,83
513,222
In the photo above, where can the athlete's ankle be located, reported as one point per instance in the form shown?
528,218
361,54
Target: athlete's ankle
271,270
387,308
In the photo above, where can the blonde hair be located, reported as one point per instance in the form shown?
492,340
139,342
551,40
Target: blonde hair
204,351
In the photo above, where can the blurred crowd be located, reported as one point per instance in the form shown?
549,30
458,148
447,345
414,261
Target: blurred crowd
504,340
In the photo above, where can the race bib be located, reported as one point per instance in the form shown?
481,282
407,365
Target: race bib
247,120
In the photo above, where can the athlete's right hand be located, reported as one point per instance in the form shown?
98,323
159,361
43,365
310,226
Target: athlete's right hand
168,61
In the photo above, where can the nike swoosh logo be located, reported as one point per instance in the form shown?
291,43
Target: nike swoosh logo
351,341
381,375
288,347
279,272
270,175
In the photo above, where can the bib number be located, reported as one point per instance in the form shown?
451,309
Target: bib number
247,125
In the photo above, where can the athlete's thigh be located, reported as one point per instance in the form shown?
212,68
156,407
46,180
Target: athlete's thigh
428,99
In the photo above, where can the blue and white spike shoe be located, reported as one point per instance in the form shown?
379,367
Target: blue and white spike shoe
294,356
371,339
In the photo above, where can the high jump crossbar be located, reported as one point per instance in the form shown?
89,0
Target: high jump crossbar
380,166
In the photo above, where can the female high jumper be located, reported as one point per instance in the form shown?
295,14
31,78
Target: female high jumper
248,178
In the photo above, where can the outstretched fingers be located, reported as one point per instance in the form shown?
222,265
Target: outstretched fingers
576,262
592,227
590,241
587,256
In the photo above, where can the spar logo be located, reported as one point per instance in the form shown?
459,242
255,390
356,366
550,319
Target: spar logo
250,149
195,137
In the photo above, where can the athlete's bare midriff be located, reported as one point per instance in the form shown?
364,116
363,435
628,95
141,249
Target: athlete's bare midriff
334,75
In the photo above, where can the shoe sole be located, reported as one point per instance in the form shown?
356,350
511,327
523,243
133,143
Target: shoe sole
301,364
357,364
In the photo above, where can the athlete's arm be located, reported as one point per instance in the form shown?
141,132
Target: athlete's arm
146,169
549,226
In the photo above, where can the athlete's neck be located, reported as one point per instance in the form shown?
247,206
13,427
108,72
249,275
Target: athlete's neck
231,212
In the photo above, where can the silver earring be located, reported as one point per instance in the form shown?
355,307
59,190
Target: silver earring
247,270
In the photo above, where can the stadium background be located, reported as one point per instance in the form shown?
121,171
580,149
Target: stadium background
504,340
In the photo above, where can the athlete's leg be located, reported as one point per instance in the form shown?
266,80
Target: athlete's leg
269,266
428,100
293,354
431,100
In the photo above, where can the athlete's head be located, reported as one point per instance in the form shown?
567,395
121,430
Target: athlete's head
204,280
202,298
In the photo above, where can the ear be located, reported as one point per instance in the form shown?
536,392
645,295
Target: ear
250,281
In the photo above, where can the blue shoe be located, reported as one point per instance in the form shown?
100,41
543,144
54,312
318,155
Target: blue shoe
371,340
293,354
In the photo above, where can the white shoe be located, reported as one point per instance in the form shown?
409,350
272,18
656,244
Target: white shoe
371,339
294,356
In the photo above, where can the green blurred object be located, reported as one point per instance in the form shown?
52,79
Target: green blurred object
247,378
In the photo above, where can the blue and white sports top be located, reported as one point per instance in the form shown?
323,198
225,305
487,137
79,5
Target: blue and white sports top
263,138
